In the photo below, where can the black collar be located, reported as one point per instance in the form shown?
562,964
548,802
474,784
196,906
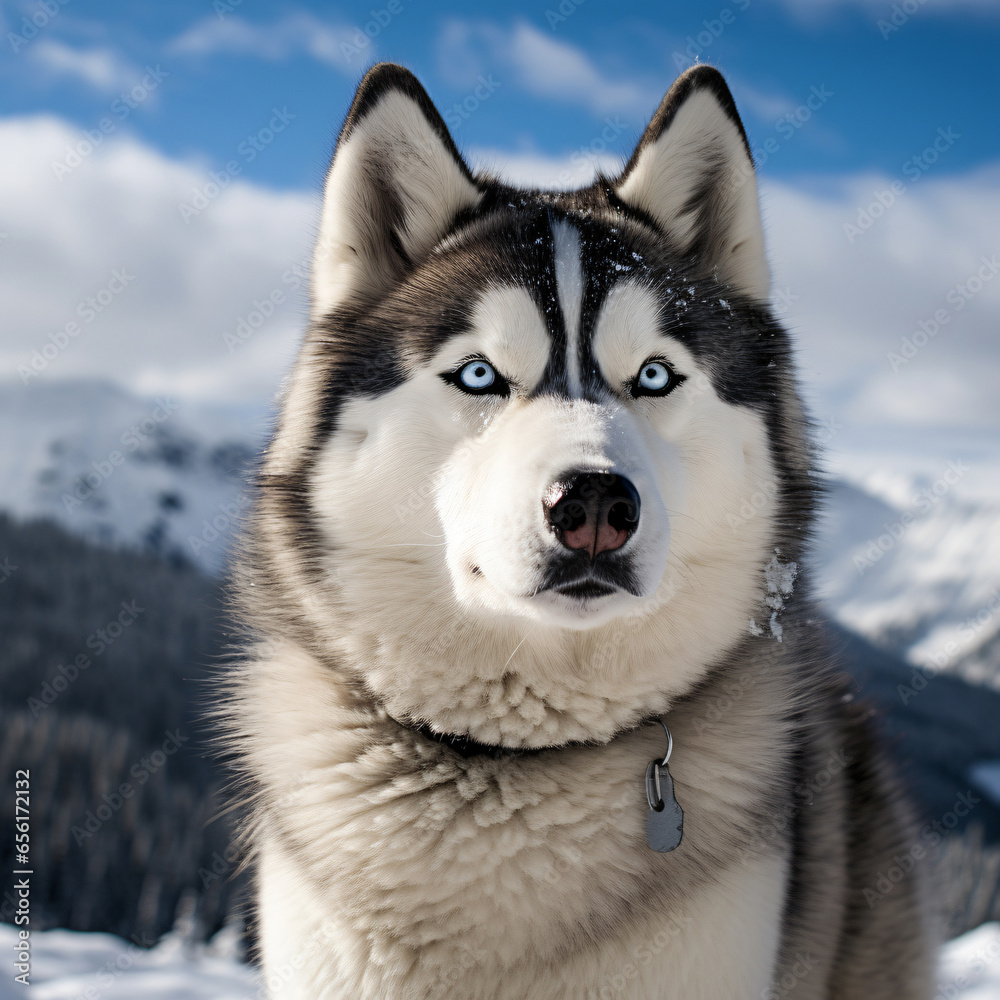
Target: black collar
466,746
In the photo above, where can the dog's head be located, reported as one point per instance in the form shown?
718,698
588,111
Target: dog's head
538,447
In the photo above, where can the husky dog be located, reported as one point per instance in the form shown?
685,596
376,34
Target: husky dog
539,494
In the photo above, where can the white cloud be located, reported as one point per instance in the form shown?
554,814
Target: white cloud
848,303
189,283
540,65
100,68
531,169
857,301
341,47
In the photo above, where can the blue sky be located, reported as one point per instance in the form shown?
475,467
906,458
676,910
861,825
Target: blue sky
873,232
558,75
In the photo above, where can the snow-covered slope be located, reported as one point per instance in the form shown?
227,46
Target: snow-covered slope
66,965
913,565
113,467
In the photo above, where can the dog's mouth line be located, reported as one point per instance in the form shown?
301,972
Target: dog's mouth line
588,582
586,585
585,589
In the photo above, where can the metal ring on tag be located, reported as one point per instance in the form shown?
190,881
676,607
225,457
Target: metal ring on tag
653,795
670,743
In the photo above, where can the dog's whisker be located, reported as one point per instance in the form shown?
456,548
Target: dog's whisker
517,647
425,545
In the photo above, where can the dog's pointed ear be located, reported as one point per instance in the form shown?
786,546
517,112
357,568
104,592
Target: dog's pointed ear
394,187
692,172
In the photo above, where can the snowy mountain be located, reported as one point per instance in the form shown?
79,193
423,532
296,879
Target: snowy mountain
160,473
908,559
914,566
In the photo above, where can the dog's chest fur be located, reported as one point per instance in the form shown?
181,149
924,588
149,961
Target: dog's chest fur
410,865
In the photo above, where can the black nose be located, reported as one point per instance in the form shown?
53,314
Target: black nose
596,511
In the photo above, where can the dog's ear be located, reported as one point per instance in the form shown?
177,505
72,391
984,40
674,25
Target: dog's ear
692,172
395,185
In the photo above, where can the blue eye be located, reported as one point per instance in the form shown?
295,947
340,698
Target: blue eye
477,375
478,378
654,378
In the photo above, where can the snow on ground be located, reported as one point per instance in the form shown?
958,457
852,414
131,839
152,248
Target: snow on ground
70,966
908,552
970,966
120,469
67,965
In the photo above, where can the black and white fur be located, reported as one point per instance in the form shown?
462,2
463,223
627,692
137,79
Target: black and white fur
443,717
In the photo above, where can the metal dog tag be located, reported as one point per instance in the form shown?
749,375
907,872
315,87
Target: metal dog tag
665,820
